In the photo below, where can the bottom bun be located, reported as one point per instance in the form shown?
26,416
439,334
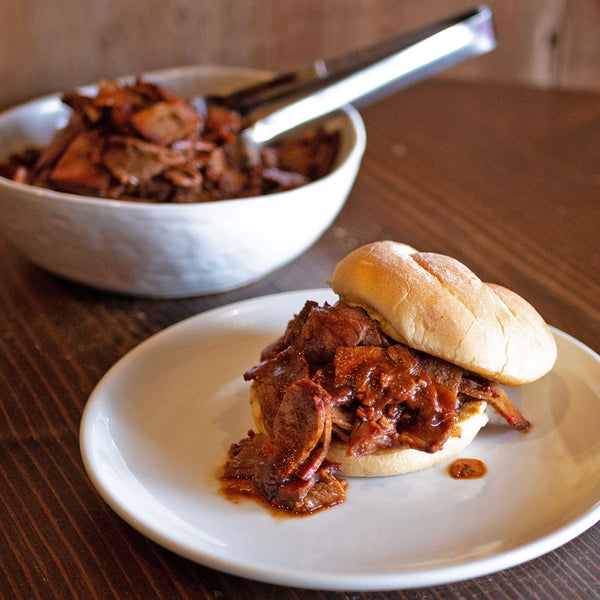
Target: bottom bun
385,463
394,461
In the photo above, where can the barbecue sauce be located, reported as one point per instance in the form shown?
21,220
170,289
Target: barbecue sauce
467,468
238,490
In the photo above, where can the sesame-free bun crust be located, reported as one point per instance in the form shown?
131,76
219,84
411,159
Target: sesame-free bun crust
435,304
398,461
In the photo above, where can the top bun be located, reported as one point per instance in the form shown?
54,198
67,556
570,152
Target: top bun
435,304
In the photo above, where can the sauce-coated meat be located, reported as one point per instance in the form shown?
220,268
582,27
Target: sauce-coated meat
334,374
140,142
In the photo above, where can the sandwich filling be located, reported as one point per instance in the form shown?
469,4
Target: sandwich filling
335,376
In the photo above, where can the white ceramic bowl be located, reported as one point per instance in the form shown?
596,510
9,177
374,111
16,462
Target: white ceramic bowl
167,250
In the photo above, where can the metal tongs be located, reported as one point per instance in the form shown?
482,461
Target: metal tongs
287,101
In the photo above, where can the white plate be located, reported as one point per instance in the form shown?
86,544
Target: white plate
157,428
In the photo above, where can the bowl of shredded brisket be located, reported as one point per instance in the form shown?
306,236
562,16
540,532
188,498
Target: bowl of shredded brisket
128,187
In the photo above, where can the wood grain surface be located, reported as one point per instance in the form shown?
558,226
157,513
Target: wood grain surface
502,177
51,46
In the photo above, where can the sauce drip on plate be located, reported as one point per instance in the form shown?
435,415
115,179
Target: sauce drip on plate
467,468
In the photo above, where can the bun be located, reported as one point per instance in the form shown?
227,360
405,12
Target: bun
383,463
435,304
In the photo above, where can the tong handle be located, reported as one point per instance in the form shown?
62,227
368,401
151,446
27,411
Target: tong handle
291,99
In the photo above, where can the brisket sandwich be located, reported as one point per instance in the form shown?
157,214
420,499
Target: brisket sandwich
393,378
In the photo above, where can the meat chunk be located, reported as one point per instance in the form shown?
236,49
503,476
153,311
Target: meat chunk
297,427
326,491
320,330
83,105
493,393
292,332
133,161
441,371
242,457
310,155
223,124
272,378
327,329
288,467
167,121
80,167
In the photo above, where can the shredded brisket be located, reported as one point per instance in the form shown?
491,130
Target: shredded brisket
334,374
141,142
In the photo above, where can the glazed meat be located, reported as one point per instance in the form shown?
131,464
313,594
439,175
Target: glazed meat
141,142
334,374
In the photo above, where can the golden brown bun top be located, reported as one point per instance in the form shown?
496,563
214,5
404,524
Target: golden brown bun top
435,304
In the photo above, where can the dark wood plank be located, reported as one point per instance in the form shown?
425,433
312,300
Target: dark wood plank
503,178
541,42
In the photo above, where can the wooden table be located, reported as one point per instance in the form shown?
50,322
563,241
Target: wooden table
505,179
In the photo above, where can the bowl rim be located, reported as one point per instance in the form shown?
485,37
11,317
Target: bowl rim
347,111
